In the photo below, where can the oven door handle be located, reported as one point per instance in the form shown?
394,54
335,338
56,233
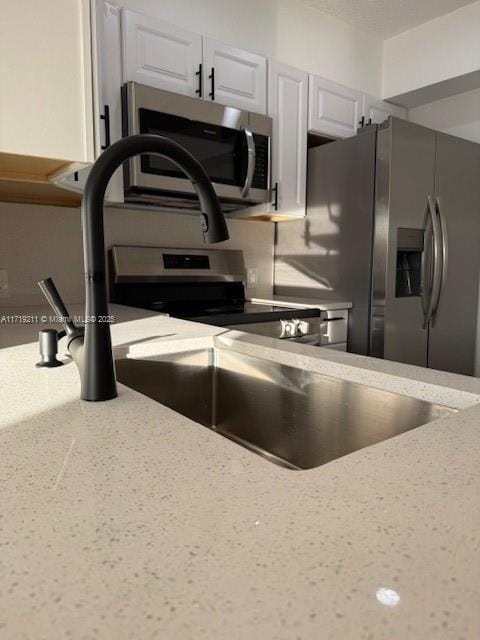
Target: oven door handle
251,162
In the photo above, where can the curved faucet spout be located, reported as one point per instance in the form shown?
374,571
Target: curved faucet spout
93,353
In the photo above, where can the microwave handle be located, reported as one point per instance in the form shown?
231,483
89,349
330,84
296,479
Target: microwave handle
251,162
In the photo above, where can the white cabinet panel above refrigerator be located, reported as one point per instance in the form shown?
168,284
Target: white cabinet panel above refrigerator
334,110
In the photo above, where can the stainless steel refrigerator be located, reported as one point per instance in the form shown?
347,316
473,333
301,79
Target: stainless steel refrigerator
393,225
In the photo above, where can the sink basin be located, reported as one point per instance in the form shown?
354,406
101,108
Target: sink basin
299,419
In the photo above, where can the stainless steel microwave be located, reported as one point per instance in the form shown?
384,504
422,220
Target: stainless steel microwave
232,145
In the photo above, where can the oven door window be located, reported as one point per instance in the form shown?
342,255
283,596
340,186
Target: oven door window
221,151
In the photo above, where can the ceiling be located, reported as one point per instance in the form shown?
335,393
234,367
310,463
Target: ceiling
386,18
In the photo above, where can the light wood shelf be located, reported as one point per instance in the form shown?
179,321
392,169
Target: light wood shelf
27,179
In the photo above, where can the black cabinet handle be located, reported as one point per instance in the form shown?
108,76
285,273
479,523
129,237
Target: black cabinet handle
275,196
105,116
75,176
361,122
212,79
199,91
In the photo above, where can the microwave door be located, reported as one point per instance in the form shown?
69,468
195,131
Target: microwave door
222,151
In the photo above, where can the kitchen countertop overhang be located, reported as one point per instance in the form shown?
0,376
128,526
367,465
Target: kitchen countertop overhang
331,303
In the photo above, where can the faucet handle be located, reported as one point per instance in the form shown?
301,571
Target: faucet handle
50,292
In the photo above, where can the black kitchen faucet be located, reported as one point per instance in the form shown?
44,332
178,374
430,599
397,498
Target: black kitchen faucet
91,347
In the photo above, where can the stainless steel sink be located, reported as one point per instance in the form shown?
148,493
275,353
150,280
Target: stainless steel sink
296,418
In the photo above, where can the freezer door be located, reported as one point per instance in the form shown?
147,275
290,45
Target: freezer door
404,180
329,252
452,332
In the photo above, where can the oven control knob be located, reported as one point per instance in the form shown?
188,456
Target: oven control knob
288,329
303,328
295,322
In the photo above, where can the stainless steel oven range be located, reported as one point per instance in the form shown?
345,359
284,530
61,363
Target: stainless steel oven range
208,286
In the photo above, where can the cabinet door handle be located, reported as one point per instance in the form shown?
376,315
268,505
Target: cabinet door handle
199,91
275,196
212,79
105,116
361,122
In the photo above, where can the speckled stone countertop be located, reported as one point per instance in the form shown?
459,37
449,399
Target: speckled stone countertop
125,520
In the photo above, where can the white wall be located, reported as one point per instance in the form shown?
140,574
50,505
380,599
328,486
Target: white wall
458,115
435,51
38,241
282,29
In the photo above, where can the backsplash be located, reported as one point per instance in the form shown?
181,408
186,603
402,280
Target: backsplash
41,241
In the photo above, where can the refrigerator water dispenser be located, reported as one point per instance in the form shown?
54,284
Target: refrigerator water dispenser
409,262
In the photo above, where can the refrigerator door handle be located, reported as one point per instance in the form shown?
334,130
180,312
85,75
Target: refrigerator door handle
437,263
426,280
444,258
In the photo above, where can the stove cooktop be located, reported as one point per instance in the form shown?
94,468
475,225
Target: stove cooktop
228,314
248,313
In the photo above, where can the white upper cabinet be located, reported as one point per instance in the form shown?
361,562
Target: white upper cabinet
334,110
338,111
377,111
46,80
288,107
234,77
108,76
161,55
107,104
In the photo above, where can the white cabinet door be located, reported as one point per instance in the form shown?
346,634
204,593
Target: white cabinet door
45,75
288,107
107,106
334,110
107,64
234,77
376,111
161,55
